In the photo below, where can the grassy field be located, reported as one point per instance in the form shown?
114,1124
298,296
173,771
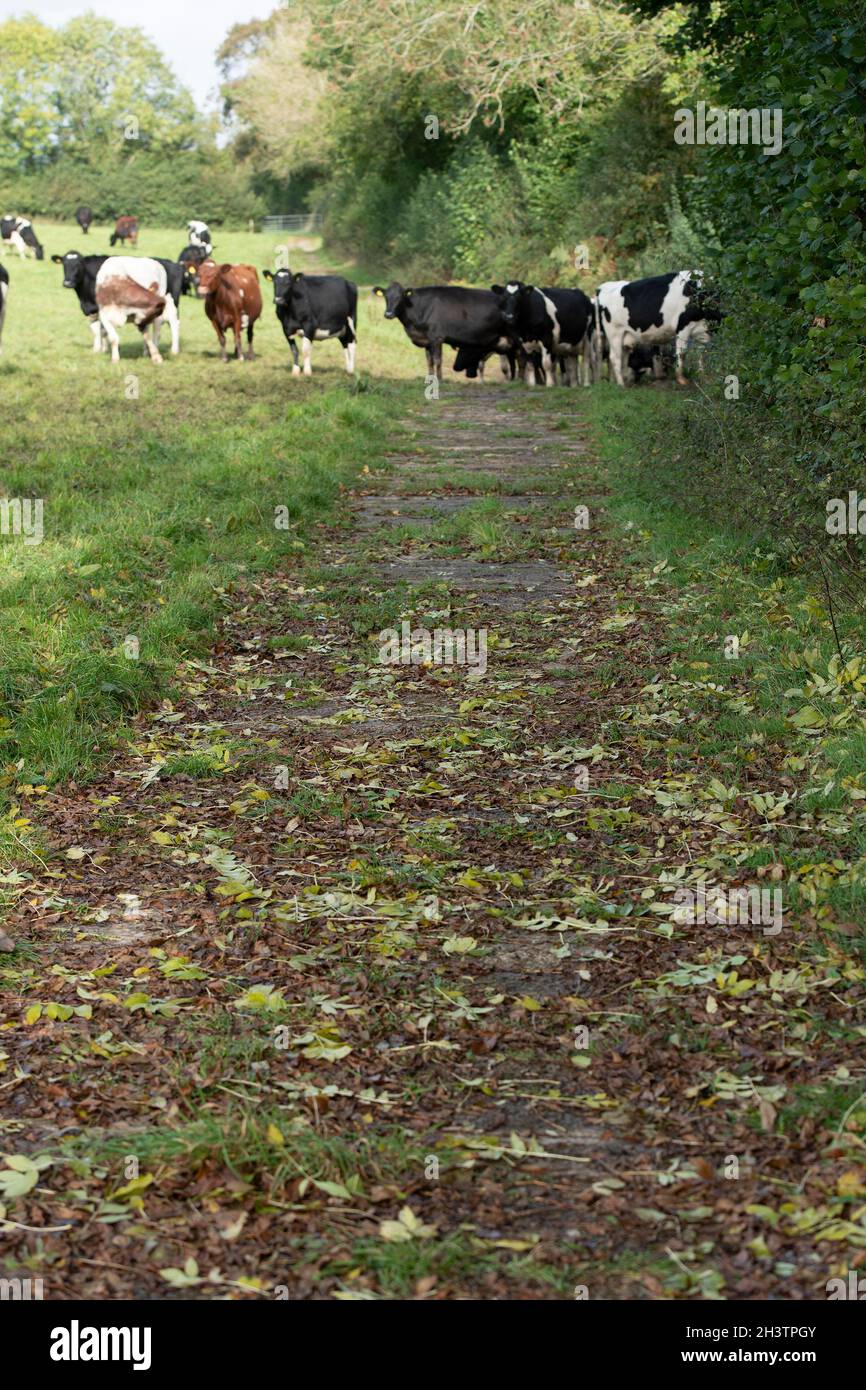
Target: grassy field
159,486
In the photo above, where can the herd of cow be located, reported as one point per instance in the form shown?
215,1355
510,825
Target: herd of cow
537,333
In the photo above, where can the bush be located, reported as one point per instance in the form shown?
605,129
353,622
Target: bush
159,189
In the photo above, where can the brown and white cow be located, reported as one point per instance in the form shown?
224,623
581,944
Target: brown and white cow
121,300
125,229
232,300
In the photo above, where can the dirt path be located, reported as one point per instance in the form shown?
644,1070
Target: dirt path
360,979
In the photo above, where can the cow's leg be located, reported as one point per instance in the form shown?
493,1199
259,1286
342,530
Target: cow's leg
96,330
250,329
617,354
681,345
150,346
548,361
347,342
428,353
506,365
436,350
173,320
220,332
296,370
528,365
307,353
111,334
481,370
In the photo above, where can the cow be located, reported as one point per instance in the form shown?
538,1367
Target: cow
178,279
191,255
655,310
233,299
514,363
643,359
17,234
148,274
438,314
125,229
79,274
200,273
552,322
84,217
317,307
198,235
120,300
4,295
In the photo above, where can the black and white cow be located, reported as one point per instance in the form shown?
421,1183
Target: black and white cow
438,314
198,235
317,307
552,322
177,278
150,275
658,309
79,274
84,217
4,295
17,234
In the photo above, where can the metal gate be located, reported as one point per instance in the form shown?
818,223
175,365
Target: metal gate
293,222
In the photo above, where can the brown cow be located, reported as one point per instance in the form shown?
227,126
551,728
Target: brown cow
125,229
233,299
119,300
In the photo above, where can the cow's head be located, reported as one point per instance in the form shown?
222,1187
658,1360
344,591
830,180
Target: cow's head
395,297
200,276
511,298
283,283
703,302
191,258
73,269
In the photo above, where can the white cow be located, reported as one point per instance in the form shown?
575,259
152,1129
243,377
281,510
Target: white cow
199,235
147,273
659,309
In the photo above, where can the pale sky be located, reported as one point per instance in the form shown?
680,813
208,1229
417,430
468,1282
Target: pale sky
188,34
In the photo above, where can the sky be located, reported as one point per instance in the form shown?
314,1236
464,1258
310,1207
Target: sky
188,34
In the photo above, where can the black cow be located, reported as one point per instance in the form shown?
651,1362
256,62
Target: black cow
552,322
79,274
317,307
513,361
437,314
84,217
191,255
177,278
4,295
